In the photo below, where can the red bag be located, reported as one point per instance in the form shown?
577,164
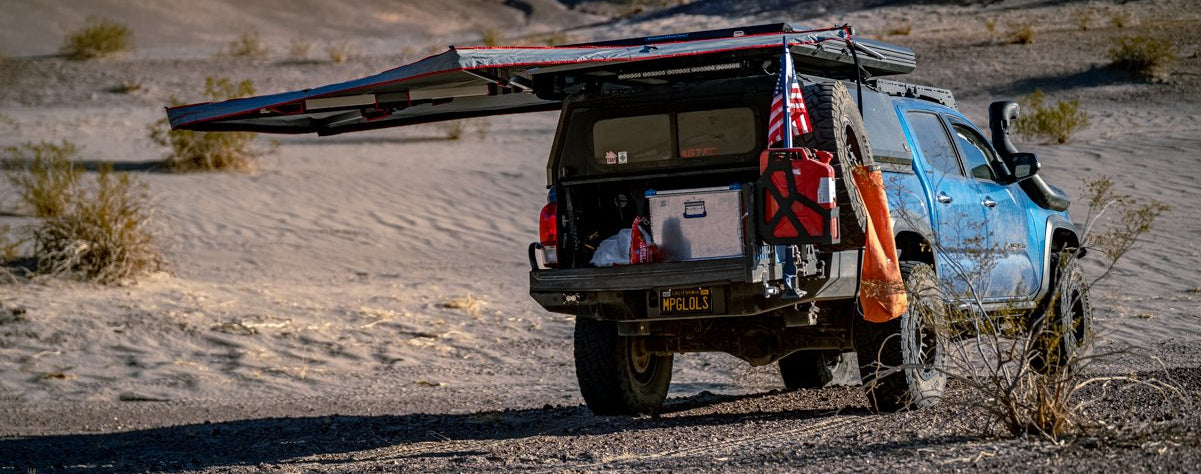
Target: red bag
642,248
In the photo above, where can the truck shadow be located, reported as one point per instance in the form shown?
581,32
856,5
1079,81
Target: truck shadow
275,440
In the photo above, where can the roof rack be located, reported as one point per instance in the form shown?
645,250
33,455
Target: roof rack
914,91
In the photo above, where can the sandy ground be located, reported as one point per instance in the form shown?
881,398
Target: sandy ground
359,302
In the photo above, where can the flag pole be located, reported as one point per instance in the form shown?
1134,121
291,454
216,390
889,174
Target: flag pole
785,65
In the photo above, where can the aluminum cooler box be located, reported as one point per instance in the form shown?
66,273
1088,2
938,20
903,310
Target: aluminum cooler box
696,224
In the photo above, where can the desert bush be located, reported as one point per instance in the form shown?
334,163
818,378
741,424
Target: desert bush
247,45
556,39
453,129
1009,364
491,37
990,24
1053,122
1121,19
43,175
1020,33
210,151
99,38
92,230
1142,56
902,29
1083,17
339,51
298,49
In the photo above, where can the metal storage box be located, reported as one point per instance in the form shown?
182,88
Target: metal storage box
695,224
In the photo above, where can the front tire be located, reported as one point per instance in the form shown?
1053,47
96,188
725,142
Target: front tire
1063,326
903,362
617,374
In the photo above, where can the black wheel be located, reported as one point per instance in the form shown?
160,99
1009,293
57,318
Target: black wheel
838,128
1063,325
902,361
617,374
811,369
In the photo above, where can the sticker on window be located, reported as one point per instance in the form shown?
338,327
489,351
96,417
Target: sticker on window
623,158
610,158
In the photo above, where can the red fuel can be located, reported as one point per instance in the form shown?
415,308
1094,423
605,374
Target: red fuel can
796,196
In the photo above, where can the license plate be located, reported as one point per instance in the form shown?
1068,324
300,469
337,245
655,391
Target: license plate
686,301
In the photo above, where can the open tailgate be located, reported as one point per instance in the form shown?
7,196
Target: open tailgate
480,81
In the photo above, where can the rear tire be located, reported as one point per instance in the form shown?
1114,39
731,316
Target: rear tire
838,128
617,375
811,369
902,361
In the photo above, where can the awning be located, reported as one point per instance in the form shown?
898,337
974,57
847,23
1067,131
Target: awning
479,81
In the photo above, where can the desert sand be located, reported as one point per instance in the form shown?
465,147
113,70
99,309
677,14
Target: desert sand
360,301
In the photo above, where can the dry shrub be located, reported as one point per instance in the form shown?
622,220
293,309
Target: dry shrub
210,151
101,37
1021,33
469,304
298,49
1014,370
247,45
97,231
901,30
557,38
1121,19
491,37
453,129
990,24
1083,17
339,51
1144,57
1053,122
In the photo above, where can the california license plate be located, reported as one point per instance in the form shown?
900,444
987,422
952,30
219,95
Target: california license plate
686,301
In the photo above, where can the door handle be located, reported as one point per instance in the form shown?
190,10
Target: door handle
943,198
989,202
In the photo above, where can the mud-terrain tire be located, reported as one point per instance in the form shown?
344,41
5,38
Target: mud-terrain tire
617,375
811,369
903,361
1063,324
838,128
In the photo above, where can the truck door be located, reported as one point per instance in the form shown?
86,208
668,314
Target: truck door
1008,227
956,212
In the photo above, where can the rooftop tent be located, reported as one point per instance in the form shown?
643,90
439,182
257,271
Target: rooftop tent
473,82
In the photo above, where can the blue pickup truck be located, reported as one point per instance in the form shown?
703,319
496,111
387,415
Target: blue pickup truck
658,231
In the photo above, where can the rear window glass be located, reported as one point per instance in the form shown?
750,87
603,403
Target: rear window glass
685,135
637,139
716,132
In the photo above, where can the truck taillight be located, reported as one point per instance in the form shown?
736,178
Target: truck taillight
548,233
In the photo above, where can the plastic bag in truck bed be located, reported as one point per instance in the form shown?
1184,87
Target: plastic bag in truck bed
614,250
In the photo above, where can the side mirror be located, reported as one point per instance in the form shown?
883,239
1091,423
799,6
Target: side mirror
1021,166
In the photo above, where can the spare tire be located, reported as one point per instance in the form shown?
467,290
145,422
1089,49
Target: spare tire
838,128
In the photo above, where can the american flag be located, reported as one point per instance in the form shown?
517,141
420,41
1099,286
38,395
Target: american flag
792,107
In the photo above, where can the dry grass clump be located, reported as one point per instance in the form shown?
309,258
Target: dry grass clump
247,45
491,37
1020,33
101,37
1056,122
1144,57
902,29
469,304
98,231
298,49
339,51
1121,19
210,151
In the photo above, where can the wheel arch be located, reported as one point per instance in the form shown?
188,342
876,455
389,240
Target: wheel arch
1061,234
